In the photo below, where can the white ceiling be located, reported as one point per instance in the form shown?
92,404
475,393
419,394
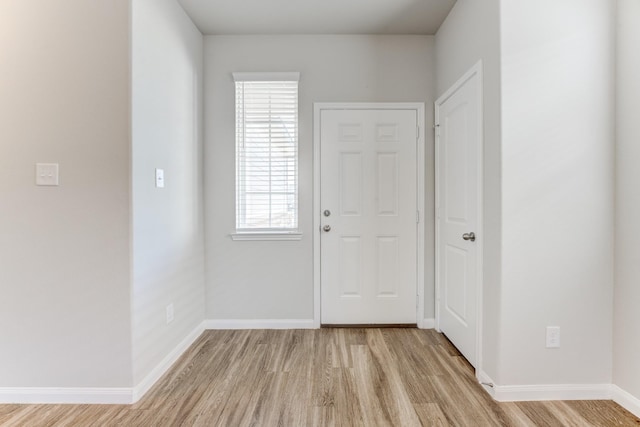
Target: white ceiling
318,16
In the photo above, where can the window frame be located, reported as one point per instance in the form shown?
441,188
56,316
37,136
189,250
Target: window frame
272,233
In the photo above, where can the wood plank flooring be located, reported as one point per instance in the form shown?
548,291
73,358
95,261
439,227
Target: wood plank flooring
324,377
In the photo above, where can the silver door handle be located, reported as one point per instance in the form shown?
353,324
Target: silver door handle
327,228
469,236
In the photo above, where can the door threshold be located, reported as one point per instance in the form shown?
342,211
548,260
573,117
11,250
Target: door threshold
371,325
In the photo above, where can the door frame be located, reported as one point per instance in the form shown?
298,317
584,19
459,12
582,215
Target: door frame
419,108
476,70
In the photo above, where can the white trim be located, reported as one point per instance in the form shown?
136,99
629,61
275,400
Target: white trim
98,395
161,368
260,324
420,202
626,400
428,323
519,393
480,254
266,77
317,108
66,395
419,108
266,236
475,70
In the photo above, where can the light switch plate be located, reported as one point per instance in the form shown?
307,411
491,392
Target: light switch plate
47,174
160,178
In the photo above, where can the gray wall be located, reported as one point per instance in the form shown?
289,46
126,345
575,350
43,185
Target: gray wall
626,336
274,280
471,33
168,232
64,251
558,106
548,103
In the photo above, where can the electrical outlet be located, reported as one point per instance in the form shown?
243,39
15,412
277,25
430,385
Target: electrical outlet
169,313
553,336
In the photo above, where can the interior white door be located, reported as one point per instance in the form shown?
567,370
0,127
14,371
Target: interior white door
368,200
458,180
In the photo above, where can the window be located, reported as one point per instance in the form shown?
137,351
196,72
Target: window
266,153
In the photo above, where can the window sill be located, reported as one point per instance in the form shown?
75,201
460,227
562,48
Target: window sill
266,235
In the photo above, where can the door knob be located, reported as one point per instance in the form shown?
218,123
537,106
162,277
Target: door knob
327,228
469,236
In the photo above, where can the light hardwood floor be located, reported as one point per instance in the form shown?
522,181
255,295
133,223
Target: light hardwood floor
325,377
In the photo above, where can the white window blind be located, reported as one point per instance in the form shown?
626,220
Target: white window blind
266,152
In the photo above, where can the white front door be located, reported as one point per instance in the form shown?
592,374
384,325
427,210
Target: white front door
458,185
368,216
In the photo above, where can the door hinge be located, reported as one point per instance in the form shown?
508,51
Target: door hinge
436,129
417,133
417,217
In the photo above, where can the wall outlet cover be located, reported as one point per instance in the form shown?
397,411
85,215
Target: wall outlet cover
553,337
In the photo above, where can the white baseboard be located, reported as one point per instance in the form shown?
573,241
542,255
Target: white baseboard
260,324
561,392
520,393
164,365
281,324
97,395
626,400
428,324
62,395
